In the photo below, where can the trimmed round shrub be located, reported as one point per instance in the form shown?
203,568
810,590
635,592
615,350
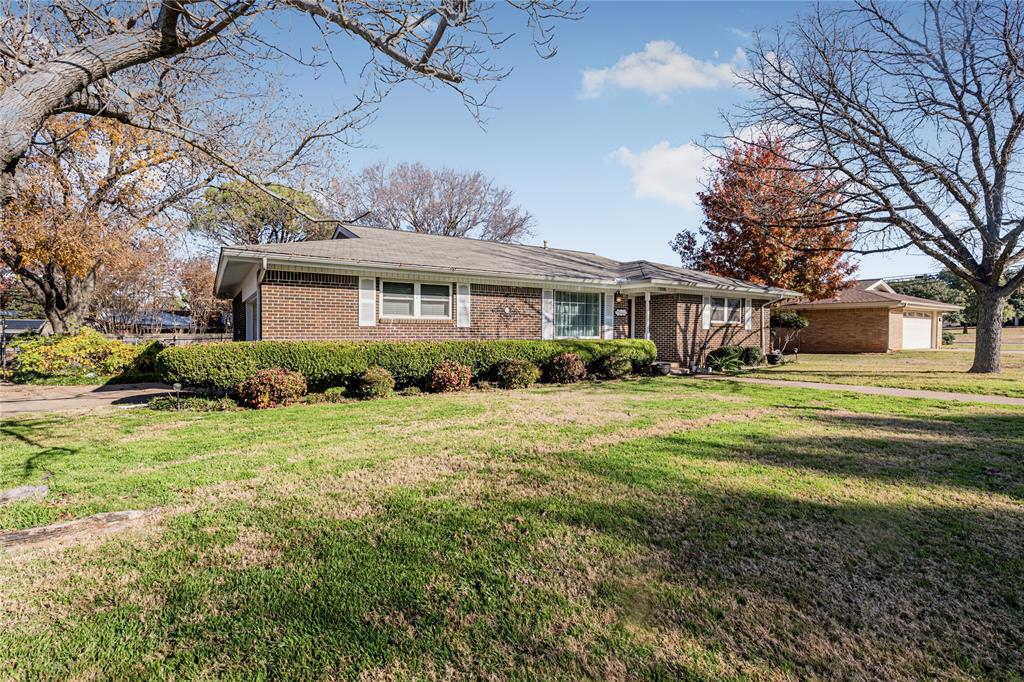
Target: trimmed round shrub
948,338
271,388
752,356
375,382
516,373
335,394
449,376
614,366
566,368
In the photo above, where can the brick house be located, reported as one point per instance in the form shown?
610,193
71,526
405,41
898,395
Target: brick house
870,317
378,284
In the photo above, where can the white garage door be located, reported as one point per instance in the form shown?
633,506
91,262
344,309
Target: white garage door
917,330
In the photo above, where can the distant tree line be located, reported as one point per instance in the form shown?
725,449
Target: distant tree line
948,288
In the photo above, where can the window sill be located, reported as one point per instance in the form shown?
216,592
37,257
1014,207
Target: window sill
406,318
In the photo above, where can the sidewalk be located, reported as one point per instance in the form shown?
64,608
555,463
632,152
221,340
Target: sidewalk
25,399
874,390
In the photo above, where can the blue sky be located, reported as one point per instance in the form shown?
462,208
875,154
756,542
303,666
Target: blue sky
604,161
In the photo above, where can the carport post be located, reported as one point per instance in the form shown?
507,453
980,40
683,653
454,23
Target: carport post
647,315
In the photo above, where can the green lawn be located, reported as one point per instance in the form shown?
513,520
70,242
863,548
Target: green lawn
656,529
937,370
1013,338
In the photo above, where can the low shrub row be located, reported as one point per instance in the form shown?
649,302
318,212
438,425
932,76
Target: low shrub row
733,357
86,354
223,366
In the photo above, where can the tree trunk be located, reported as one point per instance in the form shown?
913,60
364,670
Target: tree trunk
988,341
62,305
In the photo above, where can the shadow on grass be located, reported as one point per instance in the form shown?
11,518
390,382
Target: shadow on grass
27,431
648,563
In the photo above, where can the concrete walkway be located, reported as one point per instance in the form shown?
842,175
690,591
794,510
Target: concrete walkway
25,399
874,390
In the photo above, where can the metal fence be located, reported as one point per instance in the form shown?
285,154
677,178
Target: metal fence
172,339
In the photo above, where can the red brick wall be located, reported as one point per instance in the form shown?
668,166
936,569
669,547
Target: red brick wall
321,306
676,327
848,330
620,329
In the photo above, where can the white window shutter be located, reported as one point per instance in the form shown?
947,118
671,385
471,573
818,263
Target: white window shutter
547,330
367,301
705,316
748,313
609,316
462,293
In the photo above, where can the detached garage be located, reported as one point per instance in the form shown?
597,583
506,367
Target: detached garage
869,317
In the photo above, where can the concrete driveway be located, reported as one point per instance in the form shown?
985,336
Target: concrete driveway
23,399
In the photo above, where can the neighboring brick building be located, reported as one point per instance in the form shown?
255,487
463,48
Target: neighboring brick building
371,283
870,317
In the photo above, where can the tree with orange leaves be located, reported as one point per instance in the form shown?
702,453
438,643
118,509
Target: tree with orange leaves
767,222
91,188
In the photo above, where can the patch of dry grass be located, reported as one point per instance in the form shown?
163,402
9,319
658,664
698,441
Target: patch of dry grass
936,370
708,531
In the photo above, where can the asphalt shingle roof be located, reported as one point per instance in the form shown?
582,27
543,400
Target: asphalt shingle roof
859,292
399,249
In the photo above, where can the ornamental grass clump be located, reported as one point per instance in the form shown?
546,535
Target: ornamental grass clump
566,368
449,377
271,388
515,373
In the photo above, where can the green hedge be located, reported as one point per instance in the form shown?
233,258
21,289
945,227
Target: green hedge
221,366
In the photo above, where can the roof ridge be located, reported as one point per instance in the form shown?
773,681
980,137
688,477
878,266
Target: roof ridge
472,239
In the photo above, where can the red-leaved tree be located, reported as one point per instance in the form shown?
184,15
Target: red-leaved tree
765,221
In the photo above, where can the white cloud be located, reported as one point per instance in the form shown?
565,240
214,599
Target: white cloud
672,174
740,33
660,70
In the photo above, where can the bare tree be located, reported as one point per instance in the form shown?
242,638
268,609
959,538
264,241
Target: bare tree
136,288
914,114
203,71
447,202
196,277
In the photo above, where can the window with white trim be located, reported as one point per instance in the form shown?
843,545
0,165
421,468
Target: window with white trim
577,315
416,299
726,310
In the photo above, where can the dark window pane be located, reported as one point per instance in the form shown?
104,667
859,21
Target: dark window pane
398,288
434,290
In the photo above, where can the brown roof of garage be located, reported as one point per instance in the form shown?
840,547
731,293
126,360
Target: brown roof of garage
860,293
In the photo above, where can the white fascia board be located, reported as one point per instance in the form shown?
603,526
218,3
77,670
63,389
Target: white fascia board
301,264
308,264
219,277
666,286
949,307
